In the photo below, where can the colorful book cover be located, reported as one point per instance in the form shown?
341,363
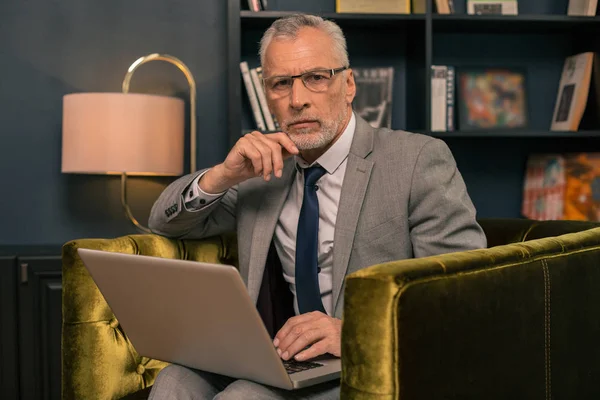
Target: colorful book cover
492,98
582,192
544,187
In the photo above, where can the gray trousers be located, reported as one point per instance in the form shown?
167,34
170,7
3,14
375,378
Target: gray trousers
179,383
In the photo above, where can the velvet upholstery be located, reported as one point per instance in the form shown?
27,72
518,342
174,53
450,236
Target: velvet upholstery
485,323
512,321
98,361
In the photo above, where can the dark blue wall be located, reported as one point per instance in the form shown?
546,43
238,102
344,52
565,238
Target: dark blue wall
49,48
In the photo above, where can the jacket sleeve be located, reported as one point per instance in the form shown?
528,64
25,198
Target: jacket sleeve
172,217
442,217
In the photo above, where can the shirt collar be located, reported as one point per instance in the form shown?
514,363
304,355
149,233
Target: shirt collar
336,154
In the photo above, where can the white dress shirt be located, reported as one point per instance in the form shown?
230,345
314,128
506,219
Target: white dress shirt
334,161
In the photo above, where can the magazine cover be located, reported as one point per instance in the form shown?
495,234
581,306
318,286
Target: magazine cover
491,98
582,191
573,91
373,100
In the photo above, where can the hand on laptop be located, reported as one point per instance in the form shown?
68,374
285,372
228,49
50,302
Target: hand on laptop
315,329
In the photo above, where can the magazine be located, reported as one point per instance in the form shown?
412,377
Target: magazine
373,100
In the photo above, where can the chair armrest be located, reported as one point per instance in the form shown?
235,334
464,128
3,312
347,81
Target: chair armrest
489,323
98,360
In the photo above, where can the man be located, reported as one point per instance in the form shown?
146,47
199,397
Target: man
324,198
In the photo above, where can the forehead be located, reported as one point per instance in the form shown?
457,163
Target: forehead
312,48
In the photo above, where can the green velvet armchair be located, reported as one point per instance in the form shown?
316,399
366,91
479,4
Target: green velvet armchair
519,319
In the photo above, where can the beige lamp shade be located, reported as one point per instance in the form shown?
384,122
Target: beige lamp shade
115,133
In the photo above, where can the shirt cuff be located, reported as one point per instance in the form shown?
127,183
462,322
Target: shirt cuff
195,198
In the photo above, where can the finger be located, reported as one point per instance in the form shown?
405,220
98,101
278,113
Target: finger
307,338
274,152
313,351
298,331
249,151
290,323
276,155
265,153
285,141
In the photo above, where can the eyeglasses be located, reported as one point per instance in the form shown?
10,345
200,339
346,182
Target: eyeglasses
316,81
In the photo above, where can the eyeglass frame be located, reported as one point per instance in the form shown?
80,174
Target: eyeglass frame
334,72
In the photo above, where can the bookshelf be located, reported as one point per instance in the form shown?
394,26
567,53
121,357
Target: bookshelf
492,162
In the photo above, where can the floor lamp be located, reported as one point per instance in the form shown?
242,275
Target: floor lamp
128,134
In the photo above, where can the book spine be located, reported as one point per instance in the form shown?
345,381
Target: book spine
442,6
438,98
450,99
258,118
259,73
262,99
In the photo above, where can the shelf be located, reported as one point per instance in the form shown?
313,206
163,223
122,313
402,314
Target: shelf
517,134
461,23
453,23
262,19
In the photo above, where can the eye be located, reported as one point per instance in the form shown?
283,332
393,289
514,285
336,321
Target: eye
280,83
316,77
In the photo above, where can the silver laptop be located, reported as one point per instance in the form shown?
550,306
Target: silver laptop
198,315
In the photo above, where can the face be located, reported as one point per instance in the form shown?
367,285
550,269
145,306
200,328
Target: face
311,119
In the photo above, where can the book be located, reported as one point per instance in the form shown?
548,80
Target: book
444,6
439,98
498,7
491,98
373,6
573,90
419,6
582,187
252,96
373,99
265,107
262,98
582,8
254,5
450,89
544,187
442,98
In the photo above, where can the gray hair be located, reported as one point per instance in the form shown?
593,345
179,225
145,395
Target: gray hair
288,27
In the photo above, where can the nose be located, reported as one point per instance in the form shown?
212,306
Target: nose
299,95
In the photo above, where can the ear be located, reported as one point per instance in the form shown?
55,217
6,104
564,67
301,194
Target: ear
350,86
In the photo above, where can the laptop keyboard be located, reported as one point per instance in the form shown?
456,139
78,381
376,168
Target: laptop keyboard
292,366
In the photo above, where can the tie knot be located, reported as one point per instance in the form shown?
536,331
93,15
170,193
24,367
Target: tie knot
313,174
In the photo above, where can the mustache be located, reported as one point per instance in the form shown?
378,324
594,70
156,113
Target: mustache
299,118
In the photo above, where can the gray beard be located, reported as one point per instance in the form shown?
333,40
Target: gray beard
305,139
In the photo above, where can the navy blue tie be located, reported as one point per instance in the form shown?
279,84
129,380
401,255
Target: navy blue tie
308,293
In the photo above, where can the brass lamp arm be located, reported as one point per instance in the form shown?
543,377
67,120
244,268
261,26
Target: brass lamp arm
192,85
126,208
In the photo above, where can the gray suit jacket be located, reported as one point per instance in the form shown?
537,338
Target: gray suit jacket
402,197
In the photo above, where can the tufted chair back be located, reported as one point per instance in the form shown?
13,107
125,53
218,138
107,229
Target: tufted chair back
98,360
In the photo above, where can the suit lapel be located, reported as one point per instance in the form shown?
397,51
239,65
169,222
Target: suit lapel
271,203
356,181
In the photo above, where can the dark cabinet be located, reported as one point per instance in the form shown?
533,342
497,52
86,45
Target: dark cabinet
40,321
31,321
9,377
